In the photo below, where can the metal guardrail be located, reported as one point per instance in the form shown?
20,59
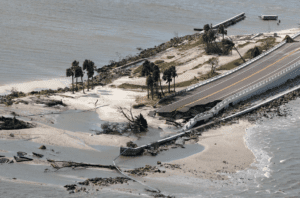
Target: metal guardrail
242,95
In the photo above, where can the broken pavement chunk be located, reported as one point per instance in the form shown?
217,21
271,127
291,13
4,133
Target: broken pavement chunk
22,159
21,154
4,160
37,155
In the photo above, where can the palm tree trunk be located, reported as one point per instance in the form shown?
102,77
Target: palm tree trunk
82,85
76,84
161,88
92,82
239,54
152,92
174,84
73,84
88,84
169,86
148,91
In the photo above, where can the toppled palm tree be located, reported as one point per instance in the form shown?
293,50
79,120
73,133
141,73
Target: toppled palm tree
288,39
233,45
137,124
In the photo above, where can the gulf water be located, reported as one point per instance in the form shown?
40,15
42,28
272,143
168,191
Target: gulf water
40,39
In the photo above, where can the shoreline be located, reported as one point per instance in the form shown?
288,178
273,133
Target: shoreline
225,150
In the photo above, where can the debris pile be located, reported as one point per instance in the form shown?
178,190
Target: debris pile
142,171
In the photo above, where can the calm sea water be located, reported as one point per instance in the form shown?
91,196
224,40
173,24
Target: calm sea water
40,39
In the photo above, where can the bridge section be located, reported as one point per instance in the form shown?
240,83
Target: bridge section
219,89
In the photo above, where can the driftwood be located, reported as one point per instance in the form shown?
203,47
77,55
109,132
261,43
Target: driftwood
64,164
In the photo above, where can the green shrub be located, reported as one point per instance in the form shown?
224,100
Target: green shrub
159,61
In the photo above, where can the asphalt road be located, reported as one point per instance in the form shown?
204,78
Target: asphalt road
233,83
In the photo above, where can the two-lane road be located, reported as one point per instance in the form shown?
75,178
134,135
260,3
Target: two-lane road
233,83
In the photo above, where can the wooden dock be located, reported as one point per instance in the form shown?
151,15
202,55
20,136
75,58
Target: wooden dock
226,23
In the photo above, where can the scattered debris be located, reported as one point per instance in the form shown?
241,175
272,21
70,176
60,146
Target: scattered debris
143,170
64,164
4,160
105,181
21,154
130,144
70,187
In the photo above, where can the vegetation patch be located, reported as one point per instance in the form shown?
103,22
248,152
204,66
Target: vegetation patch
138,70
231,64
209,75
243,45
159,61
190,45
170,57
13,123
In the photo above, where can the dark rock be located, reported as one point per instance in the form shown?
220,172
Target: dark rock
22,159
43,147
70,187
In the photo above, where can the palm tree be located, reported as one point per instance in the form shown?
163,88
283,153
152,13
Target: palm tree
173,74
79,73
149,83
146,68
222,30
156,77
85,66
206,28
167,76
238,51
69,72
89,66
75,65
91,71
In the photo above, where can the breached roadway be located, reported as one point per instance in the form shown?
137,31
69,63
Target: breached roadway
237,81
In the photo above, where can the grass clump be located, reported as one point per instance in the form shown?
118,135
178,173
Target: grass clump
170,57
159,62
190,45
208,75
137,106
